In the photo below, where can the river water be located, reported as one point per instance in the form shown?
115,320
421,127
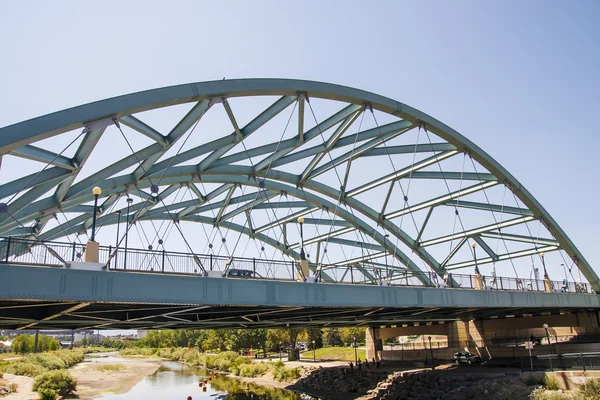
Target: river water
177,381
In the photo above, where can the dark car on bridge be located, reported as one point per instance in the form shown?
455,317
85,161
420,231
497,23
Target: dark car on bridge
243,273
463,357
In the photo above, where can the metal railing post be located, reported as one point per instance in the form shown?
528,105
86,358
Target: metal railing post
211,262
254,266
73,252
8,249
471,280
163,261
109,253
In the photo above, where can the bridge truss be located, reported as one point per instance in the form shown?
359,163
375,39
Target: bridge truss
226,168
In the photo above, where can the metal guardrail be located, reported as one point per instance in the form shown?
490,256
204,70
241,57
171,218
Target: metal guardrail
49,253
575,361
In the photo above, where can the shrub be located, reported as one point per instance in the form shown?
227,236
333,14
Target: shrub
223,364
590,390
25,368
48,394
138,352
551,383
253,370
60,381
286,374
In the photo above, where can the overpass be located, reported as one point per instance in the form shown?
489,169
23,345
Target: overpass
373,211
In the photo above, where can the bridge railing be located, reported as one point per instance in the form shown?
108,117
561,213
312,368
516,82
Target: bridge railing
33,252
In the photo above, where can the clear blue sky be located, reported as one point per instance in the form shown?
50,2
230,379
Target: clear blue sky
520,79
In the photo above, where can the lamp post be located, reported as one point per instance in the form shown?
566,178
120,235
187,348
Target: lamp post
387,270
129,202
314,352
474,245
544,265
431,352
96,191
280,350
545,326
355,345
117,244
302,255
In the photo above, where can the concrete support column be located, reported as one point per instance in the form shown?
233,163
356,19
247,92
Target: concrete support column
92,252
374,343
304,270
465,334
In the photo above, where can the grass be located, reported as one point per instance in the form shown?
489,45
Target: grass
111,368
334,353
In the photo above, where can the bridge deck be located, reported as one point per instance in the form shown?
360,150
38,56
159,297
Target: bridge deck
46,298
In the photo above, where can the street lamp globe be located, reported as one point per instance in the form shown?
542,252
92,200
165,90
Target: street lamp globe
545,326
96,191
300,220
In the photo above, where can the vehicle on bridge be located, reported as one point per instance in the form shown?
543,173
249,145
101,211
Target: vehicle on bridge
463,357
243,273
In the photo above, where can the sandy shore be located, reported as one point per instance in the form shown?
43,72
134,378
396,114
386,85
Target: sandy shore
92,380
23,391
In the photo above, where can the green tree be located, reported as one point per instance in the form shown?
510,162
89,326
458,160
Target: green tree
22,344
217,339
277,339
316,335
349,333
332,337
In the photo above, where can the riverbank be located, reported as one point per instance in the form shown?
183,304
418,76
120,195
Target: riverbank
95,379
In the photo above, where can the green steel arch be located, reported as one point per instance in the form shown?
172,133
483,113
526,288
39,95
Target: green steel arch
219,160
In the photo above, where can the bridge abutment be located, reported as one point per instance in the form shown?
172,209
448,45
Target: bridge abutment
500,337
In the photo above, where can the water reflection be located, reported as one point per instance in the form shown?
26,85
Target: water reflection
176,381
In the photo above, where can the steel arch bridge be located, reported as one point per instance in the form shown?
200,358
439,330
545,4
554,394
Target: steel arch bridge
385,190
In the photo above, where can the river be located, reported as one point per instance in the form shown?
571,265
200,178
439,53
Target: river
177,381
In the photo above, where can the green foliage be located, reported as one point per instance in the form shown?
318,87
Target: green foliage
60,381
283,374
25,369
253,370
332,337
590,390
22,344
35,364
314,335
111,368
348,333
551,383
138,352
48,394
